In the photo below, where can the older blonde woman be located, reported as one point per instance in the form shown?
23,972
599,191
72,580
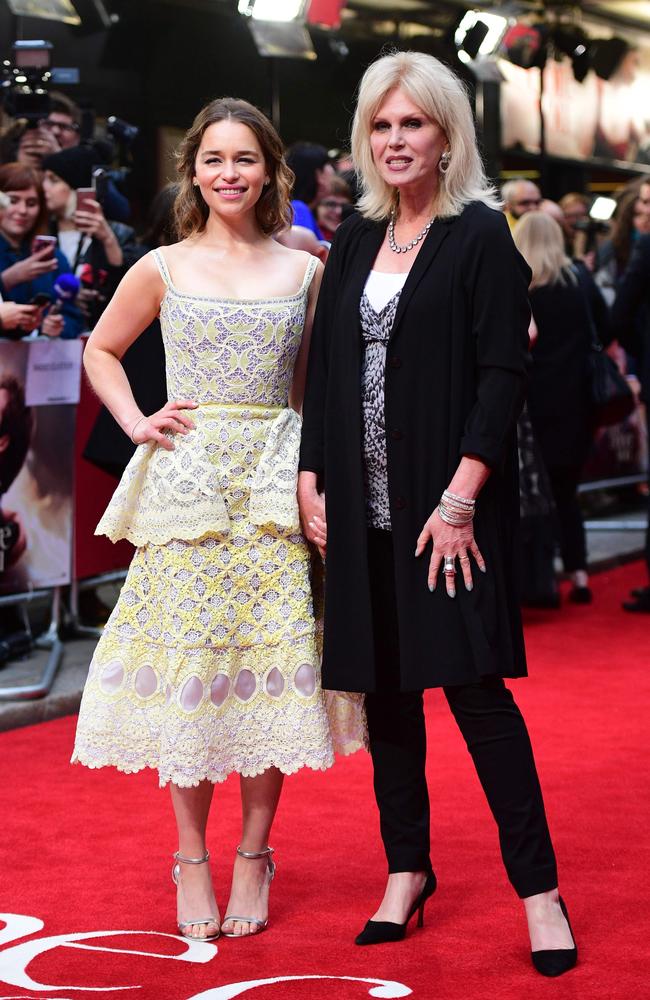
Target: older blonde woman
409,467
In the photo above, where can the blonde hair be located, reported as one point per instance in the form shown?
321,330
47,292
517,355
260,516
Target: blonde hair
273,209
440,94
540,241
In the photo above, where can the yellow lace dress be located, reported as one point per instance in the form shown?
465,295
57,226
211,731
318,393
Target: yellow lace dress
209,663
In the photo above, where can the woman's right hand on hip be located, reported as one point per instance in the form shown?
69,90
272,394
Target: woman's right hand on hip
169,418
312,511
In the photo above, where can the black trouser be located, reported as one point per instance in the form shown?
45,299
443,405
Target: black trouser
496,737
564,486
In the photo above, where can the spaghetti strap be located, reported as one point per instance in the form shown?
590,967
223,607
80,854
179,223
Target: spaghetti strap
309,273
159,258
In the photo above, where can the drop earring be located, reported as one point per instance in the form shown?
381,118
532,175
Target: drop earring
445,160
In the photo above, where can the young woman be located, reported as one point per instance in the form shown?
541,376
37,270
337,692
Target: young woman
209,663
27,271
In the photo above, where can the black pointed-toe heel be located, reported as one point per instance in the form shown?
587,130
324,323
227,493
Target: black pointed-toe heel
556,961
381,931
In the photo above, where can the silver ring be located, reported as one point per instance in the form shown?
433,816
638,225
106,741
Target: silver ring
449,568
463,558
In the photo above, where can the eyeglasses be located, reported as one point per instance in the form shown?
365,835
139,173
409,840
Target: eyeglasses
329,203
64,126
529,201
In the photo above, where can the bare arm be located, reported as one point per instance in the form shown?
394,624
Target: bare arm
297,393
134,306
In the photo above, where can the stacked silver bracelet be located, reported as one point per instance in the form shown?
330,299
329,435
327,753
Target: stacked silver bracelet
456,510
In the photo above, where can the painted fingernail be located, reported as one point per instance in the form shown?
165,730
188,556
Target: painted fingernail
417,551
469,586
483,569
452,593
432,587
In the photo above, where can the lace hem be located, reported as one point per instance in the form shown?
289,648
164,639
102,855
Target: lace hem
93,763
165,495
196,714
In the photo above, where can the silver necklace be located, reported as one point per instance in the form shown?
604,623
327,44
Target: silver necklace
395,247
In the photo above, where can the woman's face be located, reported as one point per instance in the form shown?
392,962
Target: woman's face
18,220
329,211
406,144
230,169
57,194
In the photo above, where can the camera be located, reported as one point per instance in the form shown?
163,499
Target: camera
23,85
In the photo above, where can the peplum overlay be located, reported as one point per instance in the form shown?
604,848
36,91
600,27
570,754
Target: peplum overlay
210,661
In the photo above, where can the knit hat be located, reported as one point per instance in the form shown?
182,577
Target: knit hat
74,165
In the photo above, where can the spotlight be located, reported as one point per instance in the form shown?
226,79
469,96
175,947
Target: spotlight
573,42
525,45
607,54
479,34
58,10
272,10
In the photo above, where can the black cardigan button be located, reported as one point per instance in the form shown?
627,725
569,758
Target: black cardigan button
395,362
396,434
399,503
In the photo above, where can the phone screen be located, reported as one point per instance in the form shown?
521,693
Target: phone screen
39,242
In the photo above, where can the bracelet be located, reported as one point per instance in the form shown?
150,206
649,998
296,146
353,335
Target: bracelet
457,520
138,421
461,501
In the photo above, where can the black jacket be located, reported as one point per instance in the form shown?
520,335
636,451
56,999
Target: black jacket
455,378
559,399
631,311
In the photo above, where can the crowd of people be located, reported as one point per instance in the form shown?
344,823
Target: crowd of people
52,225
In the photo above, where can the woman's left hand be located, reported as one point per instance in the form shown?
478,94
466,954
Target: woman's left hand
452,542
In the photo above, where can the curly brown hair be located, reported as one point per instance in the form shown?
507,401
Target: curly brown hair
273,209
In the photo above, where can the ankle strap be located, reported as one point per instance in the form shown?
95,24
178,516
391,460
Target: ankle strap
191,861
253,855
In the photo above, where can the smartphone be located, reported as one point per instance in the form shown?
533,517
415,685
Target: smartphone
39,242
84,195
41,299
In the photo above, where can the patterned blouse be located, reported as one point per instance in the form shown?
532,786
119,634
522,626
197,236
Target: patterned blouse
376,328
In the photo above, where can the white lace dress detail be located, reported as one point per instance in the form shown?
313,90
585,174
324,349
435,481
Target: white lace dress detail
210,661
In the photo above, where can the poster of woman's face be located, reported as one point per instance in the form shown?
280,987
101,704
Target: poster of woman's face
36,479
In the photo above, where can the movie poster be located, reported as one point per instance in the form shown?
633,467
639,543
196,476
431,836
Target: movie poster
606,119
37,461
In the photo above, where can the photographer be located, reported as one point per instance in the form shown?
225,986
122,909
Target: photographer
98,251
29,271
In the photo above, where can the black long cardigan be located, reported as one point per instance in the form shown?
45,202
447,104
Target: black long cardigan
455,380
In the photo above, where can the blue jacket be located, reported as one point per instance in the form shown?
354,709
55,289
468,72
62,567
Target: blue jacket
74,323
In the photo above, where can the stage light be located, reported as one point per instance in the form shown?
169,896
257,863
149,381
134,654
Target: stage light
573,42
479,34
607,54
51,10
272,10
525,45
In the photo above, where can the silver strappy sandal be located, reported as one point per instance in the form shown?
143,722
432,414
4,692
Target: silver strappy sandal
182,924
270,872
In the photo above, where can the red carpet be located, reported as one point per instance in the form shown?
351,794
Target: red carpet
90,852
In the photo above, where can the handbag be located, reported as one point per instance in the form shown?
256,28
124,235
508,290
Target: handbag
612,399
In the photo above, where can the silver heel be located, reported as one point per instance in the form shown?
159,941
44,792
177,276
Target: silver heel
176,874
270,873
